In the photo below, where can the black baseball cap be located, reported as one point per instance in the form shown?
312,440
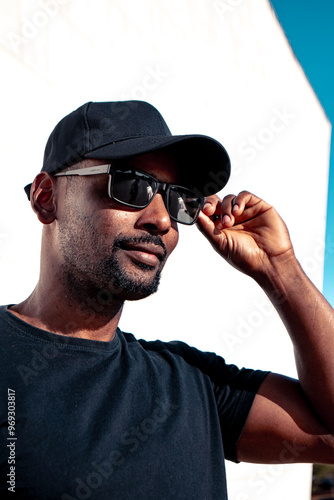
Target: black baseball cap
121,129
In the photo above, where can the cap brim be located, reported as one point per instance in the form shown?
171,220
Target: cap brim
204,163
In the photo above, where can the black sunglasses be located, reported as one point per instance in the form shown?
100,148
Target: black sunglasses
134,188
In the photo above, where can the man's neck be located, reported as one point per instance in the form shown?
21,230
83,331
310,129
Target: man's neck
61,315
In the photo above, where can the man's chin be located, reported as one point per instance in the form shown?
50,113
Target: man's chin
129,288
132,296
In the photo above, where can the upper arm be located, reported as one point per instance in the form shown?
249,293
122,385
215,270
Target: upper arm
281,427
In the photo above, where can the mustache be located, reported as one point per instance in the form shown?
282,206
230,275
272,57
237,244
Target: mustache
123,241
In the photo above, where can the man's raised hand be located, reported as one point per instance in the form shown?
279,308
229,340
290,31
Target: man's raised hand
246,231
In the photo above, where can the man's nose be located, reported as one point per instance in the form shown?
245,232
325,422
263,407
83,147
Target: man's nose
155,218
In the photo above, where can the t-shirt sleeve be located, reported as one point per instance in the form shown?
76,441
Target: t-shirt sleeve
234,390
234,398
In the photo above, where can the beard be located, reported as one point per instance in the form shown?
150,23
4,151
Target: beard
101,280
133,286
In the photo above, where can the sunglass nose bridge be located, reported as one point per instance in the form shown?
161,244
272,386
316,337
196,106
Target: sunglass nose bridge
162,188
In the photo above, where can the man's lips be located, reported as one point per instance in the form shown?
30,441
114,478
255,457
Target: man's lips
146,253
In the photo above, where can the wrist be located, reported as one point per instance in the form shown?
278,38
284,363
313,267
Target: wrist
281,274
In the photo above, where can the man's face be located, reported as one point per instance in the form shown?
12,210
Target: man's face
108,250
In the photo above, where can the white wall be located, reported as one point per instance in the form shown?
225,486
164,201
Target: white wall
217,67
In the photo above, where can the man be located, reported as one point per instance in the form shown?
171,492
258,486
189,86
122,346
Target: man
94,413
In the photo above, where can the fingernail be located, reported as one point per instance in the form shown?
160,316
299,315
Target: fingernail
226,219
235,207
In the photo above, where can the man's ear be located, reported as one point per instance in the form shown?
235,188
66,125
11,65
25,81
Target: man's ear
43,200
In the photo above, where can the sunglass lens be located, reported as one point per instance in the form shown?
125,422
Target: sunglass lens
183,205
133,188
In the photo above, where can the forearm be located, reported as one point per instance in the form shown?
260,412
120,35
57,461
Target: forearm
251,236
309,320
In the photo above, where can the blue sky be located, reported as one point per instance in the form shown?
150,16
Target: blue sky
309,27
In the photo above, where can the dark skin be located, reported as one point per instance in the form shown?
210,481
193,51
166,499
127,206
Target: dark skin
290,421
51,305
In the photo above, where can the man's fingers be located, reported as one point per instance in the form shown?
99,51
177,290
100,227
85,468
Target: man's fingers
232,203
233,209
221,212
209,219
237,207
212,205
227,212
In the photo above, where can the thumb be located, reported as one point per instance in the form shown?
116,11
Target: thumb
210,226
205,224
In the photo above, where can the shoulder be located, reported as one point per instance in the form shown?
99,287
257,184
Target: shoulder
172,351
173,348
208,363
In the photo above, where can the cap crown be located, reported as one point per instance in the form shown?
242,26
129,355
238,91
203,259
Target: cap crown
95,125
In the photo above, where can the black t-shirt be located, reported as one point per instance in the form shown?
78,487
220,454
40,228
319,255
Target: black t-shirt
126,419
